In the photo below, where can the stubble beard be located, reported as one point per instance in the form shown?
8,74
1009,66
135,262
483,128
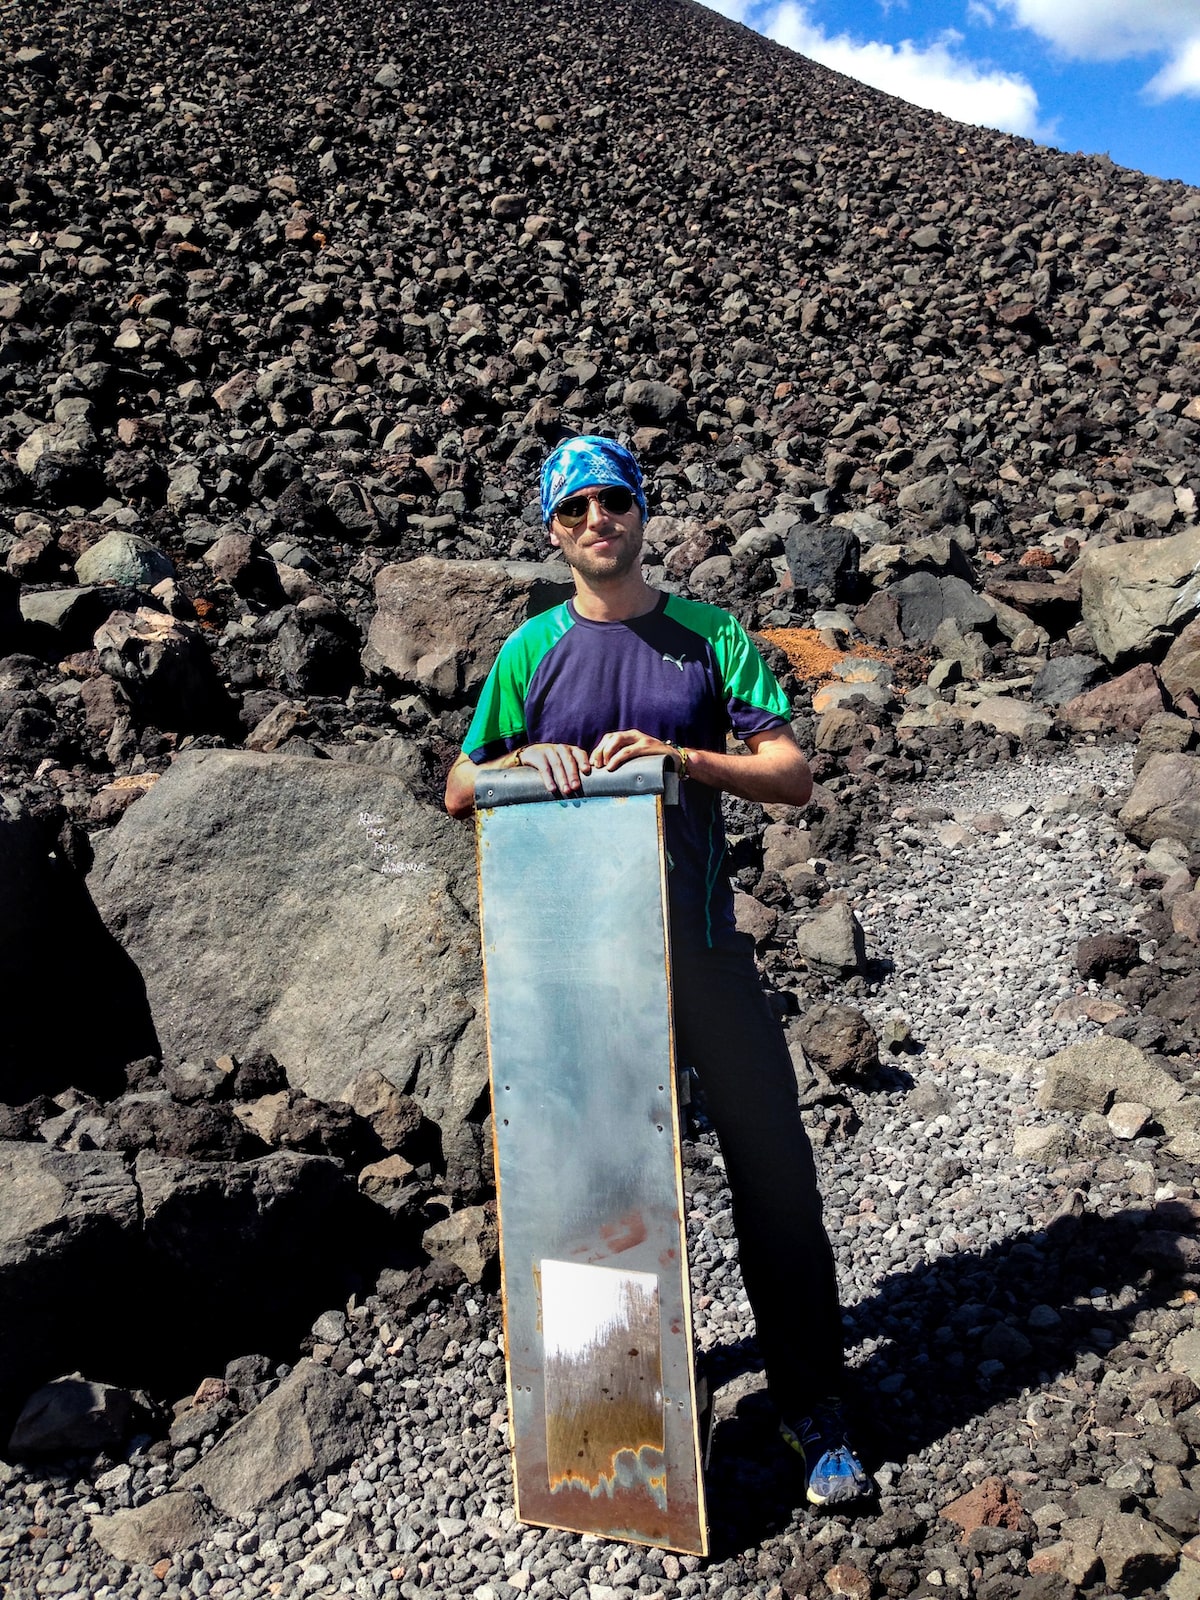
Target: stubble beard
604,568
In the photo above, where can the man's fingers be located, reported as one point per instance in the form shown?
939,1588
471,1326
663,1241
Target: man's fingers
560,766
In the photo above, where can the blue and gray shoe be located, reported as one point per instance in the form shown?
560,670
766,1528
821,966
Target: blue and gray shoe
832,1471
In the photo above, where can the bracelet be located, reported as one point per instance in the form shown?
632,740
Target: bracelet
518,753
683,759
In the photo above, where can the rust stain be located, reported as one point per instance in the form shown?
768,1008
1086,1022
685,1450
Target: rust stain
623,1234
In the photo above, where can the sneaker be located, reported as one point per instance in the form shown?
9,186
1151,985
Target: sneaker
832,1471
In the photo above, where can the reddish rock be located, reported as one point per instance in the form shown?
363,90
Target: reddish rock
1121,706
991,1504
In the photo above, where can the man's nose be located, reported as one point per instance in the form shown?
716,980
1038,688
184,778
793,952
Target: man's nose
596,512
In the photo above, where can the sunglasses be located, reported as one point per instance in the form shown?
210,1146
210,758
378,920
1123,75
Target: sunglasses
573,511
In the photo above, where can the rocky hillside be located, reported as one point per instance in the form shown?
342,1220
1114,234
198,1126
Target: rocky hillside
293,301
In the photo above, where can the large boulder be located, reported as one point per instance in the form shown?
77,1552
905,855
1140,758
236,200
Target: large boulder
1165,803
166,669
439,624
262,1239
1122,705
1094,1074
314,1423
1137,595
1180,670
74,1007
925,601
69,1242
314,909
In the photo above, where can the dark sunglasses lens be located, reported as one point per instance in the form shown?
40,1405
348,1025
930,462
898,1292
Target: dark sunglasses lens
618,501
572,511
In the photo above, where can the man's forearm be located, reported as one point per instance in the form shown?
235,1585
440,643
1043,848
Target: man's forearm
780,778
460,781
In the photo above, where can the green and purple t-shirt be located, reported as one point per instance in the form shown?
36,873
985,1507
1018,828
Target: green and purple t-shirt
685,673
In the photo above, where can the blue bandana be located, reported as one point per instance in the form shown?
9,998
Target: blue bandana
588,462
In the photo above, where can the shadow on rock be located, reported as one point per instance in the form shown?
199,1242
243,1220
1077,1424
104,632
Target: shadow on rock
93,1016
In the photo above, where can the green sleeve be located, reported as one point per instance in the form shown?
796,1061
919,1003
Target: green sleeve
753,698
499,721
750,685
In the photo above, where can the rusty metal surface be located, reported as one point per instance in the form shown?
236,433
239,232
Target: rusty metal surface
597,1313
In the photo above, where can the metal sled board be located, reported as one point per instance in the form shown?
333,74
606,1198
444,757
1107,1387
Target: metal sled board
601,1386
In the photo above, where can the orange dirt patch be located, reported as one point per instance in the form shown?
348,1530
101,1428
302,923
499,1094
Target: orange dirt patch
812,659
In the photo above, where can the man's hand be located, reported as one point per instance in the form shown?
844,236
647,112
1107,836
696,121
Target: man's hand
562,766
615,749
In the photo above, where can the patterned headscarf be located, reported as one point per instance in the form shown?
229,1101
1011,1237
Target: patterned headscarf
587,462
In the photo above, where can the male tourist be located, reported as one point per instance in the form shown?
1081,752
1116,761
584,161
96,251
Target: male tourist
623,670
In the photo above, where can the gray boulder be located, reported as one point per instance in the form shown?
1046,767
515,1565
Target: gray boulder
73,1416
822,560
439,624
69,1231
1165,803
925,601
175,1521
1095,1073
1180,669
467,1239
166,670
832,941
314,1423
123,557
1139,594
1064,677
213,883
653,403
936,500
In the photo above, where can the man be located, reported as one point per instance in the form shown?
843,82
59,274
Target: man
620,671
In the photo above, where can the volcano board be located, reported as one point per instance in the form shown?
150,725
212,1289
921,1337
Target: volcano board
597,1311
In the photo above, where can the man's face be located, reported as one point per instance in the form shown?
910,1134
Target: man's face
606,544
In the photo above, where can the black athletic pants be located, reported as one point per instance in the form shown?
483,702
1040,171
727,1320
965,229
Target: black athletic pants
726,1033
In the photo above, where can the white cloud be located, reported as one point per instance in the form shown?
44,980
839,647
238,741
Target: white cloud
934,75
1180,76
1110,30
735,10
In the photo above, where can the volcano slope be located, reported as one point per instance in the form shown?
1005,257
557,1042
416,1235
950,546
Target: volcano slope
293,300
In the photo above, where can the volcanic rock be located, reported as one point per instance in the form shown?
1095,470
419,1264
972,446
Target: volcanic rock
1165,802
162,1527
123,557
1091,1075
439,624
210,880
833,941
1180,669
1137,595
73,1416
165,668
312,1424
839,1040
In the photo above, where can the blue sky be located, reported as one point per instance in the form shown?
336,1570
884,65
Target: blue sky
1116,77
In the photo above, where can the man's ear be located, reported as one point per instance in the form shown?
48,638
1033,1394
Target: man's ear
554,539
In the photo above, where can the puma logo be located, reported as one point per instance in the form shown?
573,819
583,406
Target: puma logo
676,661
